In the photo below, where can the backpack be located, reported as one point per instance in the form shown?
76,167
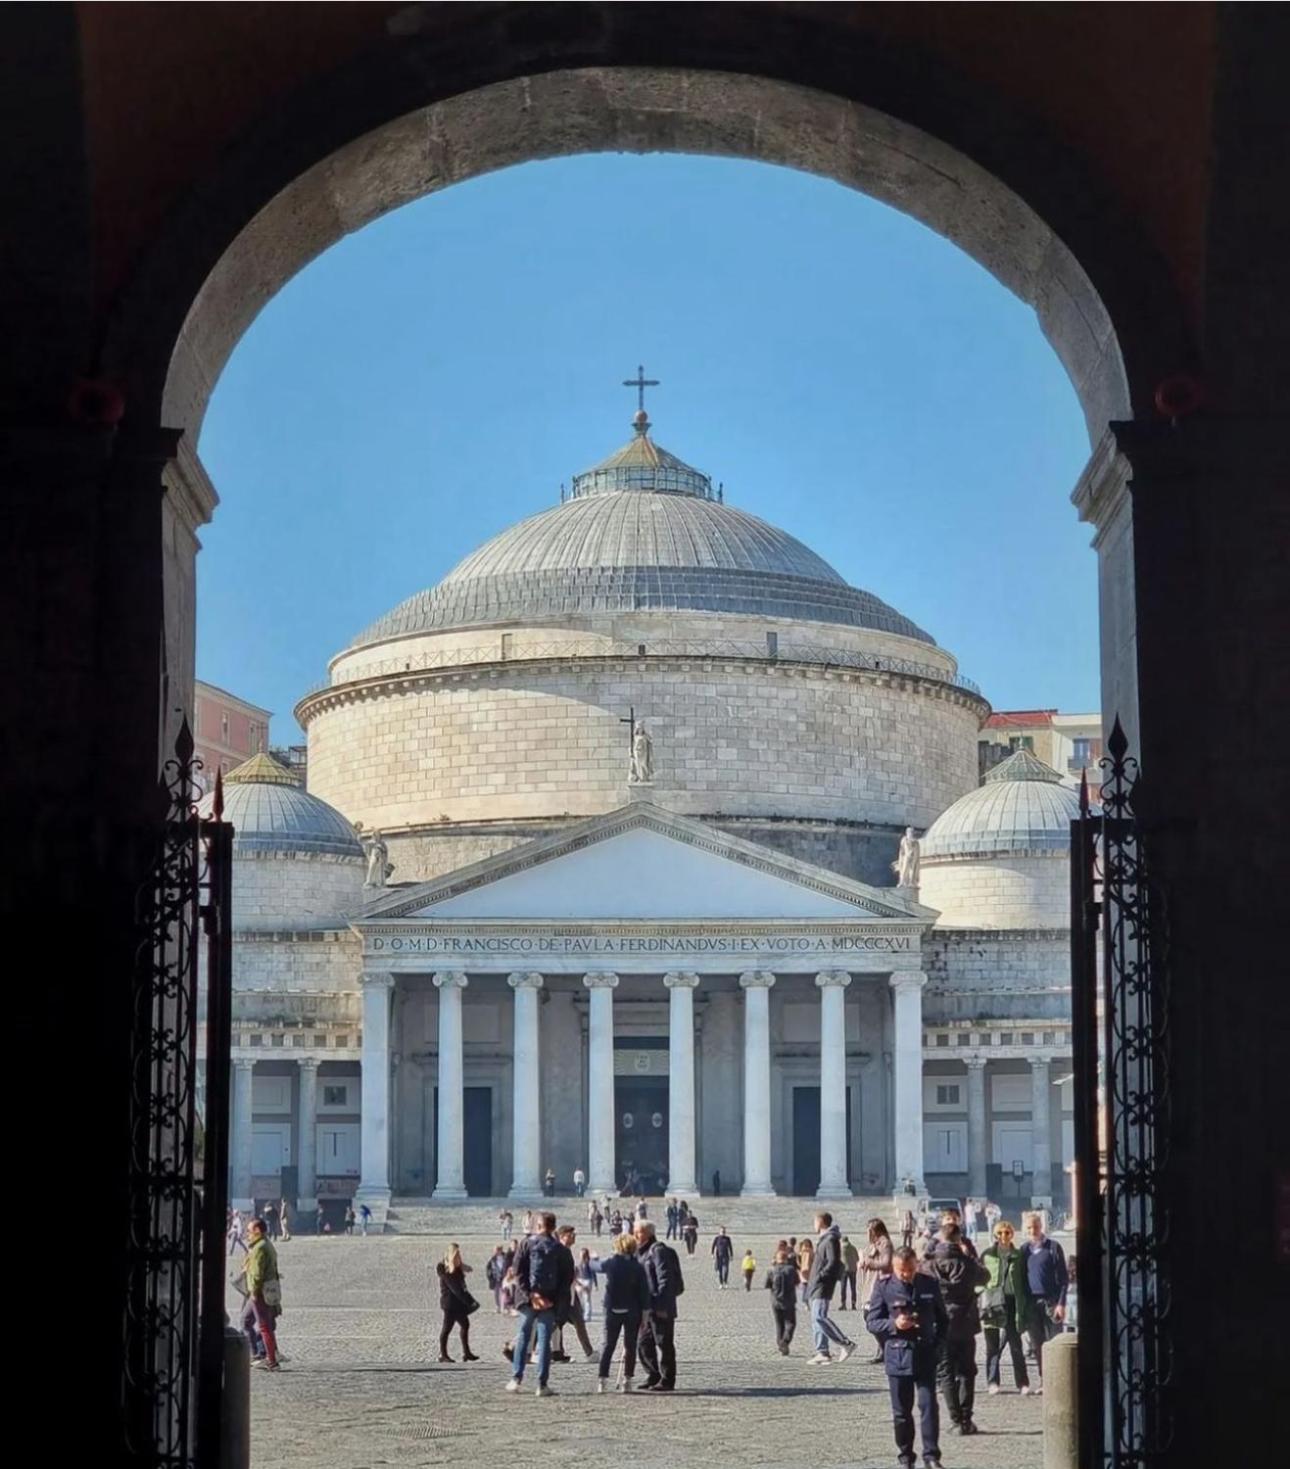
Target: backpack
544,1268
680,1279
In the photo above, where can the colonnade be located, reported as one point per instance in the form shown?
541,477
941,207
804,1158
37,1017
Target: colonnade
679,987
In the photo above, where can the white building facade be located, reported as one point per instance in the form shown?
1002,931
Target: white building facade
630,782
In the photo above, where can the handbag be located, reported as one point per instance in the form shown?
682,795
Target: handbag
271,1290
469,1304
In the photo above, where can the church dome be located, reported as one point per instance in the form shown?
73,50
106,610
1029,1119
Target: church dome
642,531
1023,808
272,815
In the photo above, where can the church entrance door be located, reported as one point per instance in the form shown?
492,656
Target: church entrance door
477,1140
806,1139
640,1131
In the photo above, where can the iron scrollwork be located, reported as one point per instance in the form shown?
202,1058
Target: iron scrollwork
1120,999
177,1179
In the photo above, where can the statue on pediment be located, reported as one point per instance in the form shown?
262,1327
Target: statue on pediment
377,853
907,861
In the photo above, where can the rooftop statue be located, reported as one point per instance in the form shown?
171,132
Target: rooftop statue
642,759
907,861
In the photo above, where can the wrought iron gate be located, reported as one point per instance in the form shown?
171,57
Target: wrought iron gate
178,1168
1119,960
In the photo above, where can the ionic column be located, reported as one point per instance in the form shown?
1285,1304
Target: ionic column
602,1168
756,985
682,1182
907,990
1040,1150
374,1185
450,1179
240,1151
307,1146
833,1084
526,1117
977,1152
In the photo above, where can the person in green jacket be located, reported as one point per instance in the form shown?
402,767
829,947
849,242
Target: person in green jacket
1005,1306
263,1293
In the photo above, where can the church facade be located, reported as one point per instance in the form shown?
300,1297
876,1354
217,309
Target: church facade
644,844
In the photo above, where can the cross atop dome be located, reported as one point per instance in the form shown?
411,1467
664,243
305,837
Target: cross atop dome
640,382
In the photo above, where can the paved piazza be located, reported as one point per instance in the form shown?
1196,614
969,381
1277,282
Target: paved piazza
362,1387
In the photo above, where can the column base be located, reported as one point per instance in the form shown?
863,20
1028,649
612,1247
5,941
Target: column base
527,1193
377,1200
758,1191
607,1190
682,1191
834,1191
901,1195
449,1196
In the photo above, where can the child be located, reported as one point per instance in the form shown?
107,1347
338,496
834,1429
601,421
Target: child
749,1265
781,1281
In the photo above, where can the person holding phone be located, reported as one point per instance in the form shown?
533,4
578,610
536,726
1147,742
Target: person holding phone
908,1317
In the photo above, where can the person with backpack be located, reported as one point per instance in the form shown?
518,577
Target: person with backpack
627,1299
781,1281
543,1271
959,1274
657,1342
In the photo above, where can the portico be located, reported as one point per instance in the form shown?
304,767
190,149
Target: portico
616,1002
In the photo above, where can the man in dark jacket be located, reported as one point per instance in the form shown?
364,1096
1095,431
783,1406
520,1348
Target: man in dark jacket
673,1216
959,1275
626,1301
827,1269
571,1314
1048,1280
658,1326
722,1249
907,1315
544,1272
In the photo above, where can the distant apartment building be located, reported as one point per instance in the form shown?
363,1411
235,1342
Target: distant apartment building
1070,743
226,730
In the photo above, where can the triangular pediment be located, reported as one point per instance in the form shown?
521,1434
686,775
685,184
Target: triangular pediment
641,862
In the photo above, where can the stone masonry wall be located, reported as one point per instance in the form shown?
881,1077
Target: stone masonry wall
982,974
545,741
1031,891
283,892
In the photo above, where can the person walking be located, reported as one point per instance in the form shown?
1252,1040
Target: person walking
641,1211
749,1267
1047,1279
284,1220
548,1183
495,1274
263,1294
805,1260
826,1271
579,1182
908,1225
723,1250
850,1265
875,1265
350,1218
627,1299
690,1233
543,1281
570,1314
657,1340
959,1274
781,1282
270,1217
456,1303
908,1318
364,1219
993,1213
528,1222
595,1218
716,1183
673,1217
616,1221
586,1283
1005,1305
507,1221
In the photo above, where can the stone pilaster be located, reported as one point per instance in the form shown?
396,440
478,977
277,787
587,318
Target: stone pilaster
978,1151
602,1167
682,1179
307,1146
1040,1146
526,1117
450,1178
907,991
834,1182
756,985
240,1151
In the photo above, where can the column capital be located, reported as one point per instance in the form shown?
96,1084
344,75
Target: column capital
377,980
530,980
1037,1061
450,979
911,980
976,1063
831,978
681,980
602,979
756,979
309,1063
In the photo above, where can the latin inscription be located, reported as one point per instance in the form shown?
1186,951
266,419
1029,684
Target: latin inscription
574,944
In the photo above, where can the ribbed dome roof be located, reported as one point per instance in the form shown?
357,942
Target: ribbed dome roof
271,814
1023,807
641,532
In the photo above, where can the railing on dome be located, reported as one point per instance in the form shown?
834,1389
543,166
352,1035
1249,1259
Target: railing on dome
648,477
492,653
1119,984
177,1171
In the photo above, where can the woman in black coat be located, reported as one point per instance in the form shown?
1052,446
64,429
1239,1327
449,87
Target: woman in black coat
456,1302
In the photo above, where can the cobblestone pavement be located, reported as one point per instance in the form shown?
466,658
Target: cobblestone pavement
362,1388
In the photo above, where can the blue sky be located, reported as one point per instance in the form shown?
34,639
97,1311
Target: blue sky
848,374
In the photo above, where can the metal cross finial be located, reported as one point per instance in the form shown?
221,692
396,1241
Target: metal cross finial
640,382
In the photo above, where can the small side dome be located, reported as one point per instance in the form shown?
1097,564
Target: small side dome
1023,808
272,815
